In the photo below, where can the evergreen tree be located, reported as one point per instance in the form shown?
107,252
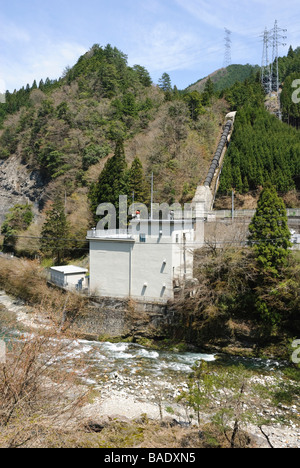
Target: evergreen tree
165,83
208,92
112,181
270,240
143,75
291,53
194,102
55,232
137,183
269,232
18,219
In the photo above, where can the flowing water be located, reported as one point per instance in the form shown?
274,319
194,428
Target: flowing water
130,379
131,368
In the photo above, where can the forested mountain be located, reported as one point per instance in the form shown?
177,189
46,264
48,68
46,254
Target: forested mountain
225,77
290,72
57,136
263,149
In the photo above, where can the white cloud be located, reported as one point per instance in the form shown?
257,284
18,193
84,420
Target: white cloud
241,17
163,48
207,12
11,33
52,58
42,60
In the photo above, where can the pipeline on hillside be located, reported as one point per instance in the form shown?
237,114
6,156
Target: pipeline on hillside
216,161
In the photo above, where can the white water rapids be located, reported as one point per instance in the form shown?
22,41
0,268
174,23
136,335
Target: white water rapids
125,368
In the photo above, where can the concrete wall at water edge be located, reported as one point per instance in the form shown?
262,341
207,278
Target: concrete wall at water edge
107,318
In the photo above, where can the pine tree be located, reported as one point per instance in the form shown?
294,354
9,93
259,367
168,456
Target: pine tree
207,92
112,181
55,232
137,183
269,232
270,239
165,83
194,101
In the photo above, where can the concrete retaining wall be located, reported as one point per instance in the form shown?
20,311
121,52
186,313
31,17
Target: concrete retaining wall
114,318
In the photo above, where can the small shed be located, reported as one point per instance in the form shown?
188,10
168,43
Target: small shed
69,276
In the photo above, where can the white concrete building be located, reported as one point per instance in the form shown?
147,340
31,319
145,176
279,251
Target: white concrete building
144,262
69,277
295,239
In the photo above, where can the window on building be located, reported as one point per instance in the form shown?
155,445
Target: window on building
143,238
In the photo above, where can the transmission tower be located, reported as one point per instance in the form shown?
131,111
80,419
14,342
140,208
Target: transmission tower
270,70
266,79
227,57
277,41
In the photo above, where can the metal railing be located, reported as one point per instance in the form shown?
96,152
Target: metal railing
109,234
291,213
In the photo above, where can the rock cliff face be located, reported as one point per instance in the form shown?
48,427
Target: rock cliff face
19,185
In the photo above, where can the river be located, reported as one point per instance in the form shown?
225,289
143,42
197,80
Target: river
130,379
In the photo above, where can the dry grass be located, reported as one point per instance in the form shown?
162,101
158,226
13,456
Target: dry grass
143,433
38,391
27,280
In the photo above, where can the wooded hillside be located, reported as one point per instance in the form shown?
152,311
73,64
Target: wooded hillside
63,132
263,149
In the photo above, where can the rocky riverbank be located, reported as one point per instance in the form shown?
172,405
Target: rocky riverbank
128,380
120,403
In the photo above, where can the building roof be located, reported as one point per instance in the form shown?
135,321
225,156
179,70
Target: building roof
69,269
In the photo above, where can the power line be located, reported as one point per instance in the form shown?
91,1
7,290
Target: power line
189,243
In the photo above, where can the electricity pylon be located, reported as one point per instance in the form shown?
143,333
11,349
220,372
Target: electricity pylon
266,79
227,56
276,37
270,70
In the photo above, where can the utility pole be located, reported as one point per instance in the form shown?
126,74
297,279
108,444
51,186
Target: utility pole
152,187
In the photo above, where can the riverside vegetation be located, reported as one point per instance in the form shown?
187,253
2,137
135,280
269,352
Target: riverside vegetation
44,403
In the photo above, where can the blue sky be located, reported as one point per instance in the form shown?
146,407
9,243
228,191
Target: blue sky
182,37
